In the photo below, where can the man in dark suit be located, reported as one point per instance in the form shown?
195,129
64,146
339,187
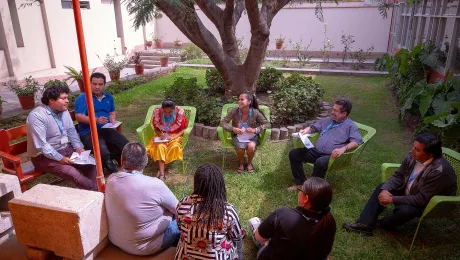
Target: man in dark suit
423,174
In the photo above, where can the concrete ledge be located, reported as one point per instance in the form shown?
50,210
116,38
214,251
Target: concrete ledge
9,189
70,222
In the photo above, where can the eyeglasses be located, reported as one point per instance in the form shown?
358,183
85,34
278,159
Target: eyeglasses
299,189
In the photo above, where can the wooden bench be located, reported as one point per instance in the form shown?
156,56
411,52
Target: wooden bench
13,142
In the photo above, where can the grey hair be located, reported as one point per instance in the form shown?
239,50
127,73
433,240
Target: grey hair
134,156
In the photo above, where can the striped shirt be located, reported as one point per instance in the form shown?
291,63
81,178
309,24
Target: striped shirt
197,242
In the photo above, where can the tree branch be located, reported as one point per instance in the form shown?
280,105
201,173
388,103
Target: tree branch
239,8
212,11
191,26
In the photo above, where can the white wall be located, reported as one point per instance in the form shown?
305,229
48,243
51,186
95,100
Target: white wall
360,19
100,37
3,65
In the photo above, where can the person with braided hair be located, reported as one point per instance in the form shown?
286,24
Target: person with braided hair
210,226
306,232
249,121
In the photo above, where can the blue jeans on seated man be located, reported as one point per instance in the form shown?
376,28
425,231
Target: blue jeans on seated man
171,235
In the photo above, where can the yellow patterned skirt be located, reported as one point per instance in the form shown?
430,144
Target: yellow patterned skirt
166,152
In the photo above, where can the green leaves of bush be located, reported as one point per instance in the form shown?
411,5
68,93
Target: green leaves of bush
269,79
215,81
187,92
297,101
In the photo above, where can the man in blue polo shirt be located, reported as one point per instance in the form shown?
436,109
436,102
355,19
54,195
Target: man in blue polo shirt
111,142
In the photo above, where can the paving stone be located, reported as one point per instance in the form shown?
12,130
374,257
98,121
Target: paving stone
275,134
283,133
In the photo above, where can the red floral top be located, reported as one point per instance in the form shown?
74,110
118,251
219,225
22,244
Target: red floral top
197,242
180,120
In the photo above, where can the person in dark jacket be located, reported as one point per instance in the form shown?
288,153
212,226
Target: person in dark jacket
423,174
304,232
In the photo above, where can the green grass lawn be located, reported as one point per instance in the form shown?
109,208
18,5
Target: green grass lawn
260,193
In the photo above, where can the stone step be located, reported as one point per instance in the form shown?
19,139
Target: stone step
146,53
146,66
151,62
157,58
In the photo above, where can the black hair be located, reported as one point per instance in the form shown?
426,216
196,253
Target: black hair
251,97
209,184
319,194
168,103
98,75
53,93
431,144
345,104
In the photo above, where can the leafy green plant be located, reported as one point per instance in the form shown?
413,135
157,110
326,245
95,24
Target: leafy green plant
75,75
55,82
215,81
279,39
448,124
191,51
113,65
157,38
186,91
298,100
347,41
2,101
360,56
269,79
301,51
27,89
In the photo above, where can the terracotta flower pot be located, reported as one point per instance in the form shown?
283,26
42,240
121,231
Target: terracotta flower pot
149,43
177,43
279,45
27,102
139,69
114,76
164,61
158,45
81,85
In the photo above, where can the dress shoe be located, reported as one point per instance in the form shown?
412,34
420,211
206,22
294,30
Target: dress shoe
358,228
110,166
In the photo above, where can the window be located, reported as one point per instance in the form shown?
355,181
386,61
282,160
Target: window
67,4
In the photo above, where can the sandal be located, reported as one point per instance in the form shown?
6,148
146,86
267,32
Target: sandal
161,177
250,168
241,168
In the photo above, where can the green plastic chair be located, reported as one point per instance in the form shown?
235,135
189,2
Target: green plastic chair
347,158
226,137
146,132
439,206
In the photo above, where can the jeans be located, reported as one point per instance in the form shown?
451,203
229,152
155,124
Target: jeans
300,155
400,214
171,235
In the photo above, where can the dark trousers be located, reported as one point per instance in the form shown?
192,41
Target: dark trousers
400,215
300,155
83,176
111,143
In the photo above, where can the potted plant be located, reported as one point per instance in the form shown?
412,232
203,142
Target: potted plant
177,43
279,42
55,82
158,39
74,75
1,102
25,92
114,67
138,66
148,44
164,58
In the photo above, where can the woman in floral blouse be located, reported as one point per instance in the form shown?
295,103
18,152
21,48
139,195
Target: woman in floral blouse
210,227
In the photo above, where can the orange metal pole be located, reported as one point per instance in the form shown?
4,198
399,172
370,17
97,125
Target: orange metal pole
89,95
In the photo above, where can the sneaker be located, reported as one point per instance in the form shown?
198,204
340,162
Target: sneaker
294,187
358,228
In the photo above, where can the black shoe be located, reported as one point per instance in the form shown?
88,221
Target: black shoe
110,166
358,228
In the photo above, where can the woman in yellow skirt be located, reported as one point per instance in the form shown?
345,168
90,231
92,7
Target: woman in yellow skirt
169,123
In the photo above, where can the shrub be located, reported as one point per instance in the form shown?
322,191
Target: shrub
215,81
192,51
297,100
55,82
187,92
28,88
72,97
269,79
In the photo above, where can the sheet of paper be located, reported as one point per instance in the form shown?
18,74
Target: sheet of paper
306,141
245,137
110,125
159,140
297,135
83,158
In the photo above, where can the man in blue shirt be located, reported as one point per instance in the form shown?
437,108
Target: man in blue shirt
338,134
111,142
